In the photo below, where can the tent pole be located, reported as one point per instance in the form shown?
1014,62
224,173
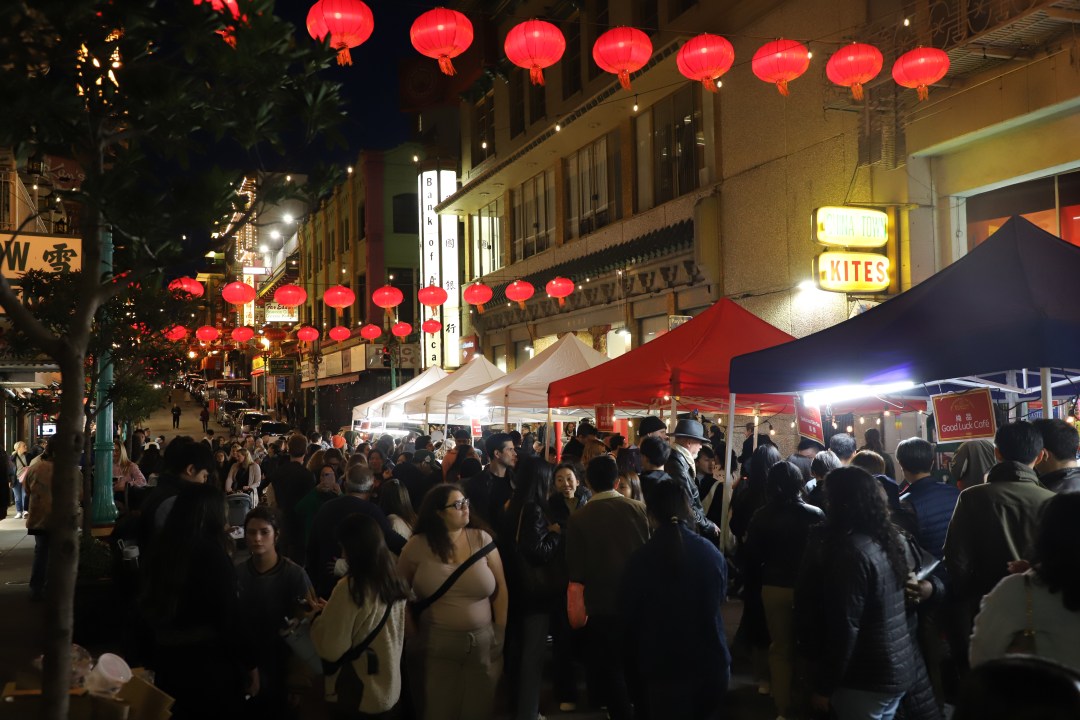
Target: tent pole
547,434
506,411
674,413
1047,393
727,469
427,423
757,422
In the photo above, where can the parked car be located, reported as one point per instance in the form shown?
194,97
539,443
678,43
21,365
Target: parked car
248,420
228,409
272,427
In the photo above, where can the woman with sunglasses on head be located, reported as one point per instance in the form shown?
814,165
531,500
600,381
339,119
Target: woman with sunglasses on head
456,654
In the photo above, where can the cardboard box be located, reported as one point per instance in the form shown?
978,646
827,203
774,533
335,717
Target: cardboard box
137,700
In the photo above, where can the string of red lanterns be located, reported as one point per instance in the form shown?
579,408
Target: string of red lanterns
442,34
621,51
478,294
519,291
854,65
242,334
534,45
779,62
349,24
339,333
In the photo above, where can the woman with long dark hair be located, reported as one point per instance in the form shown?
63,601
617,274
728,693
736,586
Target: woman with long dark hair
1041,605
198,649
872,438
457,651
672,592
370,591
867,659
394,501
535,540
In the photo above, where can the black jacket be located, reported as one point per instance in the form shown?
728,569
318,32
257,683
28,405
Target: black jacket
1060,481
685,475
776,539
867,645
538,552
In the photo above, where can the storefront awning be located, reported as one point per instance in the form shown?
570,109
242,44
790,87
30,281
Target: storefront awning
336,380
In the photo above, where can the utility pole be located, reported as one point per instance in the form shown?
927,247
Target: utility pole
103,509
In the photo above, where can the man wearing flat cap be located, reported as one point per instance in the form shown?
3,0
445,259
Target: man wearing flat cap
689,436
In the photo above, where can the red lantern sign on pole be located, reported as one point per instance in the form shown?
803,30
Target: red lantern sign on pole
370,332
339,333
307,334
238,293
920,68
519,291
242,334
853,65
290,295
705,58
432,296
442,34
621,51
534,45
348,22
207,333
780,62
431,326
560,287
477,294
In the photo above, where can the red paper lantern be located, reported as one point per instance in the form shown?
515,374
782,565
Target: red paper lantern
290,295
780,62
431,326
401,329
370,332
349,23
274,334
238,293
176,333
432,296
442,34
534,45
519,291
339,333
242,334
477,294
920,68
705,58
207,333
560,287
307,334
387,297
853,65
316,27
233,7
621,51
187,285
339,297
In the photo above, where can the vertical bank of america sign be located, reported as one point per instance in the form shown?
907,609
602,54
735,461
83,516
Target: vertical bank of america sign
439,266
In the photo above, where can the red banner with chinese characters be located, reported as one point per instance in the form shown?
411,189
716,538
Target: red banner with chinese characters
964,416
809,421
605,418
476,430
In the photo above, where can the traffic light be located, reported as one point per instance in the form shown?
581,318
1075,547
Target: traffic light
386,360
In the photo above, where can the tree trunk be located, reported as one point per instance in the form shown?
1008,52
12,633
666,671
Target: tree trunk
63,527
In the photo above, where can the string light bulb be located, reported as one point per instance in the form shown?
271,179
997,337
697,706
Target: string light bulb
907,22
635,104
558,127
850,429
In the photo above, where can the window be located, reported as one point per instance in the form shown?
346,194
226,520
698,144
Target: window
592,186
670,148
678,7
537,103
1052,203
571,60
517,102
523,352
361,221
498,356
362,297
648,14
483,141
599,24
406,214
331,241
487,239
534,215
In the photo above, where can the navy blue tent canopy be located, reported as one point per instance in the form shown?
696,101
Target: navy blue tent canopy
1013,302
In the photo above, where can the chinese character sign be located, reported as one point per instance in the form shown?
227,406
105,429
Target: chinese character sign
809,421
964,416
439,264
38,252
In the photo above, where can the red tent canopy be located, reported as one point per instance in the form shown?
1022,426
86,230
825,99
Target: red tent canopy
690,363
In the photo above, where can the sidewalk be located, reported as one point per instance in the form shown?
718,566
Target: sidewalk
20,619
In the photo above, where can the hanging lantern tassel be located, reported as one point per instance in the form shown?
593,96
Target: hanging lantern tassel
624,79
856,91
536,75
924,92
710,85
446,65
562,302
480,308
344,57
781,85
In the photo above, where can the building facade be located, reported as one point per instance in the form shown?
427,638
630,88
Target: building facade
657,201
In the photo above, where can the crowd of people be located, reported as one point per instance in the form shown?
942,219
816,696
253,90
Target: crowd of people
425,586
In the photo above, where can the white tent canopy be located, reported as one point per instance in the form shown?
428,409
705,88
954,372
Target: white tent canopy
526,388
431,400
389,405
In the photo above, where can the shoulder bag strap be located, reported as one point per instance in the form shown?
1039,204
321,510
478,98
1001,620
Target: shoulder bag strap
1029,611
355,652
422,605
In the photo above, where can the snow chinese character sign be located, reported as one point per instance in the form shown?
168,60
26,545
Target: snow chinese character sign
964,416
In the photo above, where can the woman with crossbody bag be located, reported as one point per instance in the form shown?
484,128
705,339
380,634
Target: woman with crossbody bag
361,629
455,656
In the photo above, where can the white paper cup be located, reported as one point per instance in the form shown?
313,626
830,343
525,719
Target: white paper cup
109,675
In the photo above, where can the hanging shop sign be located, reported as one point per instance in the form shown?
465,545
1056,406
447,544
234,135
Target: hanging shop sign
851,227
605,418
273,312
439,265
852,272
38,252
964,416
282,366
808,419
